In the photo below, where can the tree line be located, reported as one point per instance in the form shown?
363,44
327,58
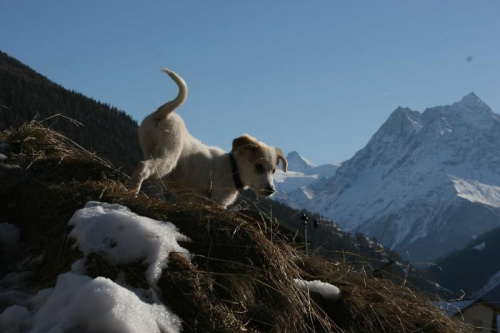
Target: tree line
26,95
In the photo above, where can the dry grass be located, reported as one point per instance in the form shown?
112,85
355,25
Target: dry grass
241,277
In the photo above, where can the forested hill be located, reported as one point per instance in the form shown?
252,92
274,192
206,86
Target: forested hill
25,94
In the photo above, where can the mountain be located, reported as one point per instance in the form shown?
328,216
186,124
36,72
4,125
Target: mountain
298,163
425,184
26,95
301,174
478,267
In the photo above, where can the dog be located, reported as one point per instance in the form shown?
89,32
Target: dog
194,171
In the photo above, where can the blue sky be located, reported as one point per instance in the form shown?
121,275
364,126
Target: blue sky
319,77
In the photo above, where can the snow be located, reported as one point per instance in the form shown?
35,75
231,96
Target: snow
324,170
14,319
474,191
492,283
308,193
452,308
81,303
415,122
301,174
124,236
326,290
4,147
292,179
297,162
480,247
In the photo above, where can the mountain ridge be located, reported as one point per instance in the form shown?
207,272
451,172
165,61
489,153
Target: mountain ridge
418,172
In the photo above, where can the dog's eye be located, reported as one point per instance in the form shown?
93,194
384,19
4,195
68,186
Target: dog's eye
259,168
274,170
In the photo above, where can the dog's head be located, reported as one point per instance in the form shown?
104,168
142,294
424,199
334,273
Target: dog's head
257,163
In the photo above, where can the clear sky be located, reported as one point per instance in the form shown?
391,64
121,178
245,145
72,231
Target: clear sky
319,77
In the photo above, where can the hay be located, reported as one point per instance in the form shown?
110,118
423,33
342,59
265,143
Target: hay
243,271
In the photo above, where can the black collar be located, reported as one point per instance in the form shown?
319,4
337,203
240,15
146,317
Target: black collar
236,172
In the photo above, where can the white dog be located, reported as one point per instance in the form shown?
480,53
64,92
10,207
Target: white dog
194,171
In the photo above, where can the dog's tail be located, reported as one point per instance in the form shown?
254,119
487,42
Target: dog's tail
164,110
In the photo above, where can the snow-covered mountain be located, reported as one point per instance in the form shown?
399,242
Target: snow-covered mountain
424,185
292,185
298,163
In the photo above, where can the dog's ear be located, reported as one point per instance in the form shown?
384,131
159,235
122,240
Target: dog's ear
281,158
245,141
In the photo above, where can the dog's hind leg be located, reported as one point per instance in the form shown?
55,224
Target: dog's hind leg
146,169
140,174
157,167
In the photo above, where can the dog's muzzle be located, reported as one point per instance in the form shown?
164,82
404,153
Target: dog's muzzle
268,191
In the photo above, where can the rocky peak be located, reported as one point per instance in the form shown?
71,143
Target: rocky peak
471,101
298,163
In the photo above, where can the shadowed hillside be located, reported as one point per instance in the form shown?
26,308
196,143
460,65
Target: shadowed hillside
477,265
25,94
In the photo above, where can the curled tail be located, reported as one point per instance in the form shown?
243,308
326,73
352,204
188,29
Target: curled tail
164,110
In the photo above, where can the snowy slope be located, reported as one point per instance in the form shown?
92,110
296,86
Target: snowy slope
424,185
79,303
298,163
301,173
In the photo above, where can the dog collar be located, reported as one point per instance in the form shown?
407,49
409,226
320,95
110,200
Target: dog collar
236,173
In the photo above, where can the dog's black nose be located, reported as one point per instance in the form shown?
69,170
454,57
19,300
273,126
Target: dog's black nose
269,190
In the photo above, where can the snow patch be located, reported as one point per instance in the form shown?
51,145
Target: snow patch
123,236
13,320
308,193
493,282
4,148
326,290
480,247
477,192
292,176
415,123
79,303
296,162
452,308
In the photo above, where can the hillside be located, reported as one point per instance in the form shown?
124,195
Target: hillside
425,184
25,94
329,241
478,267
235,273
